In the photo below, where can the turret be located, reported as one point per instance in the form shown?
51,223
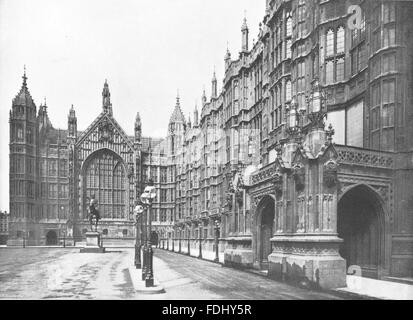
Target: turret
214,91
138,128
204,98
245,31
189,122
196,116
227,59
176,128
72,123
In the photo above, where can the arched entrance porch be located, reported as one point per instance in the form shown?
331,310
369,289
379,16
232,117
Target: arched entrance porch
361,225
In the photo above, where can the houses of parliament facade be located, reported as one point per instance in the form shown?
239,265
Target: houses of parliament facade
301,160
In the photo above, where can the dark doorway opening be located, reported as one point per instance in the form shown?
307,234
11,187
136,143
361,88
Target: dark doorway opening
154,238
360,225
265,231
51,238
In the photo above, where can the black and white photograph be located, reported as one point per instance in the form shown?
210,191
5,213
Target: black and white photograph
191,150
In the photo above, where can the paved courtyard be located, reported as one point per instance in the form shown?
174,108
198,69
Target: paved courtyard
57,273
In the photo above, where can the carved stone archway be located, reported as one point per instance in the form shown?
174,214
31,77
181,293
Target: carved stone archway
264,229
361,223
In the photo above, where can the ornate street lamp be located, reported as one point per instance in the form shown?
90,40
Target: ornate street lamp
138,212
216,227
147,198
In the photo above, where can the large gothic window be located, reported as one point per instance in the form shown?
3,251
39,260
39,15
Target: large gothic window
105,177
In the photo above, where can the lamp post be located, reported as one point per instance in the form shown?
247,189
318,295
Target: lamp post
189,246
138,211
147,198
200,241
216,241
180,238
173,240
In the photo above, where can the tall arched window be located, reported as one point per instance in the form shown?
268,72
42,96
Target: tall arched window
288,90
288,26
105,177
340,40
330,43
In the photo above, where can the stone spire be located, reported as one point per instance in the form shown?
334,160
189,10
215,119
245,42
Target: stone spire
196,116
204,98
189,121
227,58
214,91
177,115
107,105
138,128
72,123
245,32
24,98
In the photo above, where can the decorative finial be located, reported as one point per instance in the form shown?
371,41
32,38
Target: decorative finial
244,25
24,76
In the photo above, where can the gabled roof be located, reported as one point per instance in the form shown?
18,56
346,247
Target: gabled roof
101,117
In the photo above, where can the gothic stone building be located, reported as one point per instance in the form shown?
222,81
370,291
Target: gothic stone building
53,172
287,193
259,170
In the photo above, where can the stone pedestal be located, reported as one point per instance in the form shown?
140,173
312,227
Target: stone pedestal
93,243
238,252
312,261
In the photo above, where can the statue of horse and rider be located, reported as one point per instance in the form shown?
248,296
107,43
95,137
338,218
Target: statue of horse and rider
94,215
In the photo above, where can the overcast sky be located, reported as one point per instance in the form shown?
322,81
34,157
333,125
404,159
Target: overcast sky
146,49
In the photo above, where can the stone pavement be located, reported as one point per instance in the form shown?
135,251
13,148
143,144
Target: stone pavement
188,278
50,273
378,289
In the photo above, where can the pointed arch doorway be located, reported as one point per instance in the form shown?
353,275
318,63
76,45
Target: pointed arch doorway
361,226
265,229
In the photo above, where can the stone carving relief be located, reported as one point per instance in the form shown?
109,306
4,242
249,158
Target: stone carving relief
278,182
299,176
330,173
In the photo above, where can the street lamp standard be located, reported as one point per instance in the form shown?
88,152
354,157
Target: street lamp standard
138,211
189,245
216,227
147,198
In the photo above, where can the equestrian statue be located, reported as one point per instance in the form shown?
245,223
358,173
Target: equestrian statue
94,215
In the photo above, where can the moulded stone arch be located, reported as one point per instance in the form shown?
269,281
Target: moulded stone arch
379,239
